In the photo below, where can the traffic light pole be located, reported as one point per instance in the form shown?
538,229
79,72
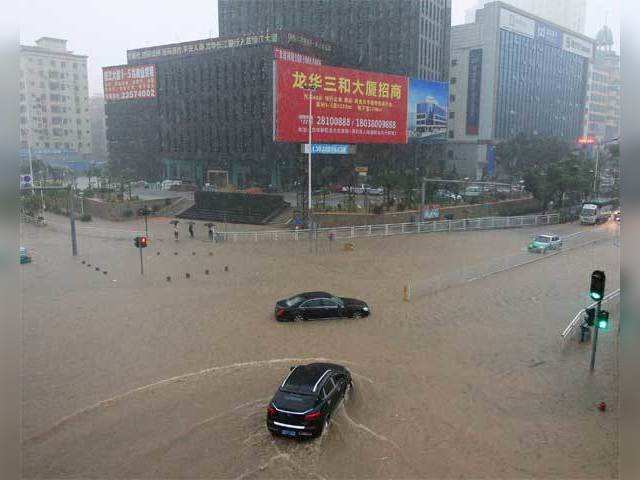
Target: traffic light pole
594,340
141,264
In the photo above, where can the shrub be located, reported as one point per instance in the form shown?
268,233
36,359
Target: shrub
85,217
378,210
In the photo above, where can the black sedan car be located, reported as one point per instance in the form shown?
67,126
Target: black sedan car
307,397
319,305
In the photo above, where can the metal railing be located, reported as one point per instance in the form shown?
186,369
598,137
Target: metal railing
389,229
578,317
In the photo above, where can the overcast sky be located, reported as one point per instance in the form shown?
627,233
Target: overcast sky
105,29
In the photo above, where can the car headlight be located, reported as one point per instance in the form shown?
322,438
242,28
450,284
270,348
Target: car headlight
366,309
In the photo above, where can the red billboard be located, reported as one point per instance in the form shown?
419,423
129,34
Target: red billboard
348,106
129,82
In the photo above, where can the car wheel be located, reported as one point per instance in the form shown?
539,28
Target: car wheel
298,318
356,315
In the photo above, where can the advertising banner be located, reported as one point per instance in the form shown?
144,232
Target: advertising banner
129,82
431,212
354,106
348,106
291,56
474,83
428,111
549,35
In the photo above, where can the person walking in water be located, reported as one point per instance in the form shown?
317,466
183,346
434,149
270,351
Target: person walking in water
176,233
191,230
211,233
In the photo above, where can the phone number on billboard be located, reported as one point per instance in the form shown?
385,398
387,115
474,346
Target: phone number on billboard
358,122
131,94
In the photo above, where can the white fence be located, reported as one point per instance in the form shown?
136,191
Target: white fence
364,231
335,233
566,333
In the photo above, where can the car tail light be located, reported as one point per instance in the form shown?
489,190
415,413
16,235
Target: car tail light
279,312
310,417
271,411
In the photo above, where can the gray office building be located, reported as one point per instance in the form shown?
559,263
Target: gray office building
513,73
408,37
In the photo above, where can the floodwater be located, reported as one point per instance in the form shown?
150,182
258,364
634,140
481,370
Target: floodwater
127,376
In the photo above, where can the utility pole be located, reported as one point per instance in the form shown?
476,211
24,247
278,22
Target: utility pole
422,198
594,340
309,160
72,219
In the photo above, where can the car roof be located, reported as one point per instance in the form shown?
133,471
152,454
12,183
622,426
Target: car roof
308,379
312,295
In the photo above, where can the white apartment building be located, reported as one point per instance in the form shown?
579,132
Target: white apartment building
54,101
571,14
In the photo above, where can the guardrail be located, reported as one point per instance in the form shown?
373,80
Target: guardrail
346,233
574,323
384,230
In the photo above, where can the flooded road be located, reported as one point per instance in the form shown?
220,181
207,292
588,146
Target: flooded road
131,377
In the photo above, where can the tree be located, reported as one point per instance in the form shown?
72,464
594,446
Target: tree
519,154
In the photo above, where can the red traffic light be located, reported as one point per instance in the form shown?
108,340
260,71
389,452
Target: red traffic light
141,241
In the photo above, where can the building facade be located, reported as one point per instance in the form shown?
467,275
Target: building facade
409,37
602,120
210,113
55,122
98,128
513,73
570,14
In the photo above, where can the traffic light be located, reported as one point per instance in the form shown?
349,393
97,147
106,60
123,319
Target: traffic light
590,316
140,242
603,320
597,285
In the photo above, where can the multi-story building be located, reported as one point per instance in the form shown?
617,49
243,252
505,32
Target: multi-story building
602,120
570,14
408,37
98,128
513,73
207,110
54,102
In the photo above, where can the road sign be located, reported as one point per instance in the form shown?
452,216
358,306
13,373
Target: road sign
328,149
26,181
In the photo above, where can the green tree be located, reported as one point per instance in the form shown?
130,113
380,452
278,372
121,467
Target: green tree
519,154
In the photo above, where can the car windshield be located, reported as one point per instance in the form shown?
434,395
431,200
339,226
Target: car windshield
542,239
293,301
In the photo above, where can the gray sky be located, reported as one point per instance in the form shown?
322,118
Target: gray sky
105,29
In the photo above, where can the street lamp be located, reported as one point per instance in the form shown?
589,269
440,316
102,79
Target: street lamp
310,122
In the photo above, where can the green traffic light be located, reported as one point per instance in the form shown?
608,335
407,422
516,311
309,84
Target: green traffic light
595,296
602,324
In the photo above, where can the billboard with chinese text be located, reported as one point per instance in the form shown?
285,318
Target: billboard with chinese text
354,106
129,82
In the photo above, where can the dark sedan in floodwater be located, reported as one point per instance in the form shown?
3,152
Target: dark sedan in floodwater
307,397
319,305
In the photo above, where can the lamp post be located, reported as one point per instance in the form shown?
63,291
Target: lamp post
310,122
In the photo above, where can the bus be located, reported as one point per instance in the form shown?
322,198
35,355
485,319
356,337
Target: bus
597,211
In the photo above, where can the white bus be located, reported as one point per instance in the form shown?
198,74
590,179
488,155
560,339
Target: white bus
596,211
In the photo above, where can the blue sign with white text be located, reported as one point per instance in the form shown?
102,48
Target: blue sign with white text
549,35
327,149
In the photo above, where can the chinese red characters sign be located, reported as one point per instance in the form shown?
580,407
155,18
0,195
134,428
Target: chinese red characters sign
349,106
129,82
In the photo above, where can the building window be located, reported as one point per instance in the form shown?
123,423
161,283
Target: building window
451,134
452,98
453,80
454,62
452,115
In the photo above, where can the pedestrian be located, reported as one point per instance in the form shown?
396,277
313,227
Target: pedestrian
211,233
191,230
176,233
